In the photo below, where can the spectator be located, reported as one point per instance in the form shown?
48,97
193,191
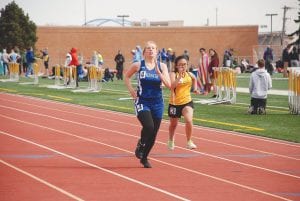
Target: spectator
45,57
23,61
213,63
80,68
94,59
30,60
108,75
138,55
170,58
228,58
75,62
244,65
14,57
5,60
268,57
119,59
186,54
1,64
286,59
294,57
260,83
163,56
204,76
100,59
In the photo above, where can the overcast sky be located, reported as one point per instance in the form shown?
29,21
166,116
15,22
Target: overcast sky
192,12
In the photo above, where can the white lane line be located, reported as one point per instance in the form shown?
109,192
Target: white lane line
160,161
242,135
97,167
42,181
161,130
126,134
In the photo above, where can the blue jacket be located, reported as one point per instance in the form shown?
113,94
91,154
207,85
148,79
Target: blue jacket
29,56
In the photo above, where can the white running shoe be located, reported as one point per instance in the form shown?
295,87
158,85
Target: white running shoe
191,145
171,144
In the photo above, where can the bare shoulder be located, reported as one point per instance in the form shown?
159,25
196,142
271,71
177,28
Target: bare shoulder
163,67
192,75
135,66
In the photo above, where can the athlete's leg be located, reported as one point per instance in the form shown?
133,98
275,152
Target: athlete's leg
187,113
172,127
146,120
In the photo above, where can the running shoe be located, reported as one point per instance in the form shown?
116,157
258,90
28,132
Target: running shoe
145,163
261,110
191,145
171,144
139,149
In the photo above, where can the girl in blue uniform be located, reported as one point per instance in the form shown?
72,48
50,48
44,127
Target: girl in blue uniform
148,99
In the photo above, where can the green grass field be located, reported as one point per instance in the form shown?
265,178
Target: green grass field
278,123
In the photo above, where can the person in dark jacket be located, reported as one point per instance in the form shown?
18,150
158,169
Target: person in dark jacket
268,57
119,59
286,60
30,60
214,63
294,57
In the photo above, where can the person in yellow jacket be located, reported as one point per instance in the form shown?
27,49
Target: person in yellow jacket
180,103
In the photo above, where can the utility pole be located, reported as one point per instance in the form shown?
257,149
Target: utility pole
271,15
123,16
84,12
285,9
216,16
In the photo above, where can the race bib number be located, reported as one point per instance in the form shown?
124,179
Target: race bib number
172,110
139,107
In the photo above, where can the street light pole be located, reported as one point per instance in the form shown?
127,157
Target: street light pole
271,15
84,12
123,16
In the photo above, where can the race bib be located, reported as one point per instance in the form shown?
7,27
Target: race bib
172,110
139,107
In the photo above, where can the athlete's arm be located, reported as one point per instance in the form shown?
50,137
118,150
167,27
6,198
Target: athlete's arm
127,79
163,74
195,86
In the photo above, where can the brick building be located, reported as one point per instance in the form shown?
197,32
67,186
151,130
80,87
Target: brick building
108,40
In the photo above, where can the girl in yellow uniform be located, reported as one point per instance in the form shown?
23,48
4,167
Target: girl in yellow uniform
180,103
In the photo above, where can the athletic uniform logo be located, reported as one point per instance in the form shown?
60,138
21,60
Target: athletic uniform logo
139,107
142,74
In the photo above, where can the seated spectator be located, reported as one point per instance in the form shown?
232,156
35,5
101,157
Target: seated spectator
244,65
108,75
279,66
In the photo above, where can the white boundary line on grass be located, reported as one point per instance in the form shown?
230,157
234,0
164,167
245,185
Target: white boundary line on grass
278,141
227,132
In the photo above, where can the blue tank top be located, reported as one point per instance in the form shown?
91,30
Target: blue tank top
149,83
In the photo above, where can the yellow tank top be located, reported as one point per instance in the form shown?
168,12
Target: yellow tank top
182,93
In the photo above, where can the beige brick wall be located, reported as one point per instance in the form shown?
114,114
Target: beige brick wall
108,40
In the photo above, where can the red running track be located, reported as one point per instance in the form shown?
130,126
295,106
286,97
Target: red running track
58,151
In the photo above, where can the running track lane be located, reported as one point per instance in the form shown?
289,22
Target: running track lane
106,145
